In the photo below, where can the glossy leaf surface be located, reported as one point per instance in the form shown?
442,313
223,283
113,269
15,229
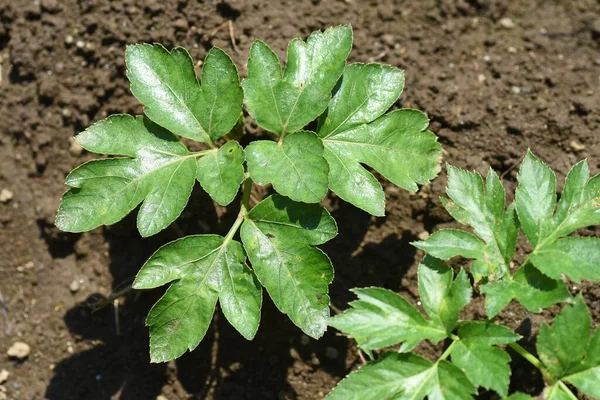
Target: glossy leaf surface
204,268
158,170
280,236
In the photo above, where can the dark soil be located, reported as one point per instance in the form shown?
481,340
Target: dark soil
491,92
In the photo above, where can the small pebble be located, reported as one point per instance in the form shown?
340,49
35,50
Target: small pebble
19,350
515,89
6,195
3,376
69,39
507,23
80,44
74,286
423,235
388,39
481,78
161,397
575,145
512,49
332,352
180,24
487,58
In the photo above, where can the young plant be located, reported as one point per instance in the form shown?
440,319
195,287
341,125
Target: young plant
568,352
279,235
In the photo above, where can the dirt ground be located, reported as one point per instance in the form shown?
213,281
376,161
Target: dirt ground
495,77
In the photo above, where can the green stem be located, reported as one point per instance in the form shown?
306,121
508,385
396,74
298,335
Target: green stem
245,207
567,390
447,352
202,152
246,195
527,355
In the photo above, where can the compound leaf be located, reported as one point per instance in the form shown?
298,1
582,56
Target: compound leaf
443,297
563,346
166,83
475,354
586,375
381,318
397,145
482,206
579,206
295,167
205,268
159,171
284,102
404,377
221,172
529,286
279,236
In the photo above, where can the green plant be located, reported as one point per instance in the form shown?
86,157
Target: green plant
568,352
279,235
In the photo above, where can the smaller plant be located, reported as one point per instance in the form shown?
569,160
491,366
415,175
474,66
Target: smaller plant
568,353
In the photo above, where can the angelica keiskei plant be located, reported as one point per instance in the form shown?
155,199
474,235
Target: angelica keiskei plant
278,236
568,352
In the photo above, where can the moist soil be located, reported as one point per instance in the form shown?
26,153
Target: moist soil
495,77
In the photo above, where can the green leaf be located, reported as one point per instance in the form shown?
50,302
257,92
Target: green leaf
295,166
449,243
586,376
404,377
442,297
159,171
279,236
219,105
166,83
579,205
563,346
529,286
366,92
535,196
482,206
381,318
555,392
284,102
397,145
484,365
205,268
576,257
221,172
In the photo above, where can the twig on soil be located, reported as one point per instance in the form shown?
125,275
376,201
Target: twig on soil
508,170
214,354
4,309
100,304
231,34
232,37
218,28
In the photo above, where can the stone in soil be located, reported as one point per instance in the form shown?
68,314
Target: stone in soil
6,195
19,350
